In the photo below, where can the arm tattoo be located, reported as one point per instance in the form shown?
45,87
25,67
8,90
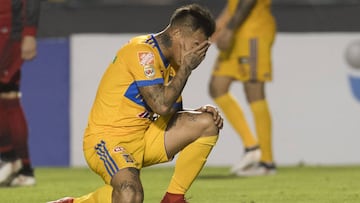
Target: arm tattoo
191,117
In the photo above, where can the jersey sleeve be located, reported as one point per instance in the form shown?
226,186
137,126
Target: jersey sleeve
144,66
31,17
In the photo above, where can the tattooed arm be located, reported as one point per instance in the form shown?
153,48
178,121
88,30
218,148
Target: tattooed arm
161,98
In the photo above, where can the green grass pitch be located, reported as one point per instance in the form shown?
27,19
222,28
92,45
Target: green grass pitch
340,184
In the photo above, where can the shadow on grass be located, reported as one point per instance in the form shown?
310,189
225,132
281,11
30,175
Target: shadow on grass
218,176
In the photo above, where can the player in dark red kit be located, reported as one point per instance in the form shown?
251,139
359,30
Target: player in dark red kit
18,25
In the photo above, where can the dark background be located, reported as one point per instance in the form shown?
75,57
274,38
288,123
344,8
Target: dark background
61,18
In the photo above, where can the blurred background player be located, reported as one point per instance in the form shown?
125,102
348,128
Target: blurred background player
18,25
137,119
245,34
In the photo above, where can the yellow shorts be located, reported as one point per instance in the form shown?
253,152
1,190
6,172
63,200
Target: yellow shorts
113,153
249,60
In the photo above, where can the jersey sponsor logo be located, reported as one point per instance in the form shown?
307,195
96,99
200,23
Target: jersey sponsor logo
146,58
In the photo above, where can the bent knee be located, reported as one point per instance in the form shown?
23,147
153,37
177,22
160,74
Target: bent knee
127,192
215,91
127,186
208,125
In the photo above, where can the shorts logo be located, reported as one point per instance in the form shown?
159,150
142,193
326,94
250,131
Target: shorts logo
128,158
125,155
119,149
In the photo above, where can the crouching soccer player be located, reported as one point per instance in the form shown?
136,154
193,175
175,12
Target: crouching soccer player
137,119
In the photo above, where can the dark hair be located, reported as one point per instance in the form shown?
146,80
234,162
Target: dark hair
194,16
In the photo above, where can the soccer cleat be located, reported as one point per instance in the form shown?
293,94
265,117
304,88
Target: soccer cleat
8,169
261,169
63,200
173,198
249,159
22,180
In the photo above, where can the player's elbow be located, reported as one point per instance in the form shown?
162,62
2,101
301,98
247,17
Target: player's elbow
163,110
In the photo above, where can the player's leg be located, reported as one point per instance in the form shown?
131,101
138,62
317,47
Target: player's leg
219,91
255,95
193,135
260,69
9,94
10,163
111,159
19,131
115,160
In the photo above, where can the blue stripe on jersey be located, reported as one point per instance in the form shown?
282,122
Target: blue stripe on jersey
143,83
152,41
133,92
178,106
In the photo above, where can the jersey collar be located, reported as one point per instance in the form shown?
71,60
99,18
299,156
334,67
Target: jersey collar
164,60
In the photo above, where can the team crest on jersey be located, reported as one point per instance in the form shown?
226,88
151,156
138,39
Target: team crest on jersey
149,71
146,58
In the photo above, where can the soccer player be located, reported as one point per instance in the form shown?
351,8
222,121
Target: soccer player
137,119
244,36
18,25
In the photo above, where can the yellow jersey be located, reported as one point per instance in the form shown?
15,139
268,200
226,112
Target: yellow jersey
259,19
119,108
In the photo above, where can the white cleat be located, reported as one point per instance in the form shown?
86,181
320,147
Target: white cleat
257,170
249,159
22,180
8,169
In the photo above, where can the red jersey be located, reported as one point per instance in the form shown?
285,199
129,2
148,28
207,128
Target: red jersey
17,18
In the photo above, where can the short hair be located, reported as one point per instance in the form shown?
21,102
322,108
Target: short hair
194,16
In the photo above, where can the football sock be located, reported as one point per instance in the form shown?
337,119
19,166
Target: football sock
7,152
235,116
8,155
189,164
262,119
19,131
102,194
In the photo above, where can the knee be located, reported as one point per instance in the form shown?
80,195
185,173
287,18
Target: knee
127,192
207,123
127,186
214,90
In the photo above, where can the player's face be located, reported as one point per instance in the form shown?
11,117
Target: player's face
195,39
188,41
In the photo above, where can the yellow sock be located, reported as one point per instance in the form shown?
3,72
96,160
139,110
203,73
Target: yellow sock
235,116
262,119
102,195
189,164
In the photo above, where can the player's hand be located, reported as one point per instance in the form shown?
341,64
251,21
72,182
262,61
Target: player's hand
190,59
216,115
224,39
28,47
